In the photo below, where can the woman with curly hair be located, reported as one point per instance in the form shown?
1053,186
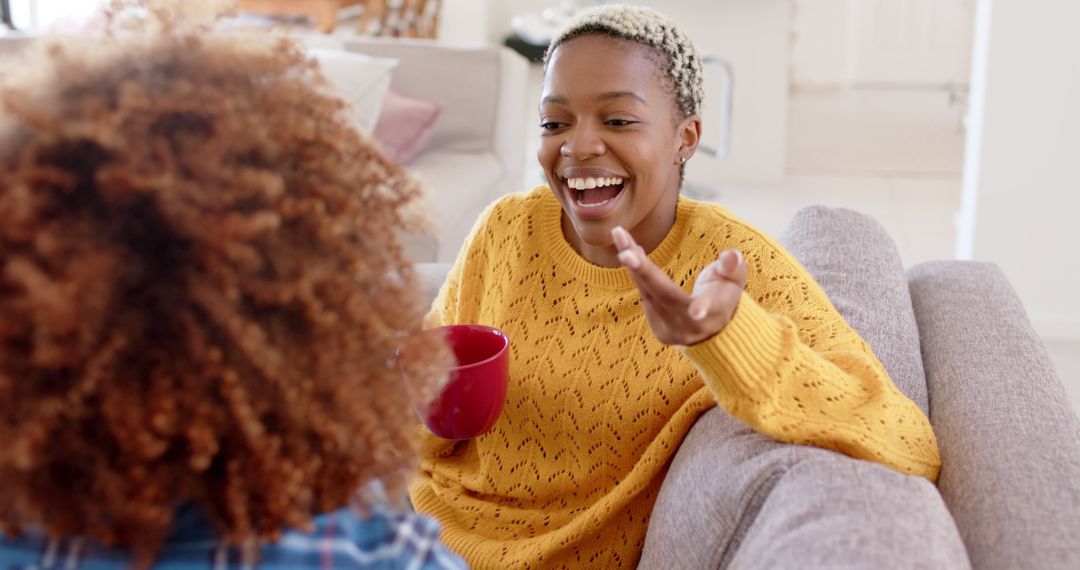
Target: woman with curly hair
201,304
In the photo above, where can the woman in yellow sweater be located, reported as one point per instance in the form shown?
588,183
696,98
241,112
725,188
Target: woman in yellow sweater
632,310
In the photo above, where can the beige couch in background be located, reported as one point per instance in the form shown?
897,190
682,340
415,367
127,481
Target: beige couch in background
475,154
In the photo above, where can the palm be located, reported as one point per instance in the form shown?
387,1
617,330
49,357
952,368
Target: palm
674,316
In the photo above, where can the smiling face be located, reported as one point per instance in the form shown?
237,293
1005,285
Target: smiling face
612,143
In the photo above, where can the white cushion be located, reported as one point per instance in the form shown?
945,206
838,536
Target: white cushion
361,80
465,81
458,186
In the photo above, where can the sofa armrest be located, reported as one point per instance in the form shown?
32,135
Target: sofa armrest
431,277
1010,441
716,507
859,267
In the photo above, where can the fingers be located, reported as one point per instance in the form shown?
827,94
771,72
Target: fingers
699,307
651,281
733,267
730,266
708,294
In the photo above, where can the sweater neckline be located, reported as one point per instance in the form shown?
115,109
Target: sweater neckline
550,221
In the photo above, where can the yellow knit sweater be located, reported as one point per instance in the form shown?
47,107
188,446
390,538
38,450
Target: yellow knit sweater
597,407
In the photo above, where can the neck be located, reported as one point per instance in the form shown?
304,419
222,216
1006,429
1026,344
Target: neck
648,233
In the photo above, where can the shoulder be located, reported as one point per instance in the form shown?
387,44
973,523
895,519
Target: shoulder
510,218
716,228
27,549
517,206
717,224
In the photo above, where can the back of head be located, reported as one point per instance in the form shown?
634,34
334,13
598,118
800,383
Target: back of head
201,295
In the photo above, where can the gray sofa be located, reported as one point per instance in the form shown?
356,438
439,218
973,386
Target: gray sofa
956,340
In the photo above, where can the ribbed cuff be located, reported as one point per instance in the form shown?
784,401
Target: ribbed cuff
739,359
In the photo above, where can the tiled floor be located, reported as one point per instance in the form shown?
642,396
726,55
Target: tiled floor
895,155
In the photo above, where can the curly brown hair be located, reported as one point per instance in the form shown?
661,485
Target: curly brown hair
201,293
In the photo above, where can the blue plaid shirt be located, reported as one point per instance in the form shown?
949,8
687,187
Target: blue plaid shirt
340,539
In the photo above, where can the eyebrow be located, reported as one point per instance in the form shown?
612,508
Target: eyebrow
559,100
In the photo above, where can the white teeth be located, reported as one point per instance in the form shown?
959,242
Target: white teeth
591,182
596,205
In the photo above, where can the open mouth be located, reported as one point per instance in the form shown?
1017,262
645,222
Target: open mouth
594,192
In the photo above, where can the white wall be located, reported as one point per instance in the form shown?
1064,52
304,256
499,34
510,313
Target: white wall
820,43
910,43
465,22
1021,206
753,35
502,11
42,14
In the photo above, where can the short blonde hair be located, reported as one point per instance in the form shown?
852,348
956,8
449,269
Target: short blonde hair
653,29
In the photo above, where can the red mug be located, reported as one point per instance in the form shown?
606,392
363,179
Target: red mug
473,397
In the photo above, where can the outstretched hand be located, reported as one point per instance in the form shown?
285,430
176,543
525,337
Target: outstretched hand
674,316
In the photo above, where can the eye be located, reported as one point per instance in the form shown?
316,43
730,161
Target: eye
550,125
619,122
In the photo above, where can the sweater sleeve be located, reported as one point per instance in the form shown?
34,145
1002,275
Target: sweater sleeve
792,368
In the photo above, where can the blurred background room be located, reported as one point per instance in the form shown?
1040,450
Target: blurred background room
954,123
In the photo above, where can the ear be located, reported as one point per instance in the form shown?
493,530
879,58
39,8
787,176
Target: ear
689,135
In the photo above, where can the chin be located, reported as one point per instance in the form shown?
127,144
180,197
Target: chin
596,233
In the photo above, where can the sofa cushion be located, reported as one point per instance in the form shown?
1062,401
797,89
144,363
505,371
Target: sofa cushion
831,512
857,264
465,81
736,498
715,487
483,93
405,125
430,277
454,207
721,481
361,80
1009,439
12,44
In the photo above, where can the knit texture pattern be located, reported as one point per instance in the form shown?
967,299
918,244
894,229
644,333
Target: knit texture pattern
596,406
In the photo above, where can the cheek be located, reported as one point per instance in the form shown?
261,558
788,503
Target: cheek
547,152
646,157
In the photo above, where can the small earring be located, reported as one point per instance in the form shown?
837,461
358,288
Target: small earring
682,159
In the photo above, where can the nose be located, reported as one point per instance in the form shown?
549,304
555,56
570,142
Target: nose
582,142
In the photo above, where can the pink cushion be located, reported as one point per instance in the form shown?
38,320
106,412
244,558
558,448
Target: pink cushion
405,125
